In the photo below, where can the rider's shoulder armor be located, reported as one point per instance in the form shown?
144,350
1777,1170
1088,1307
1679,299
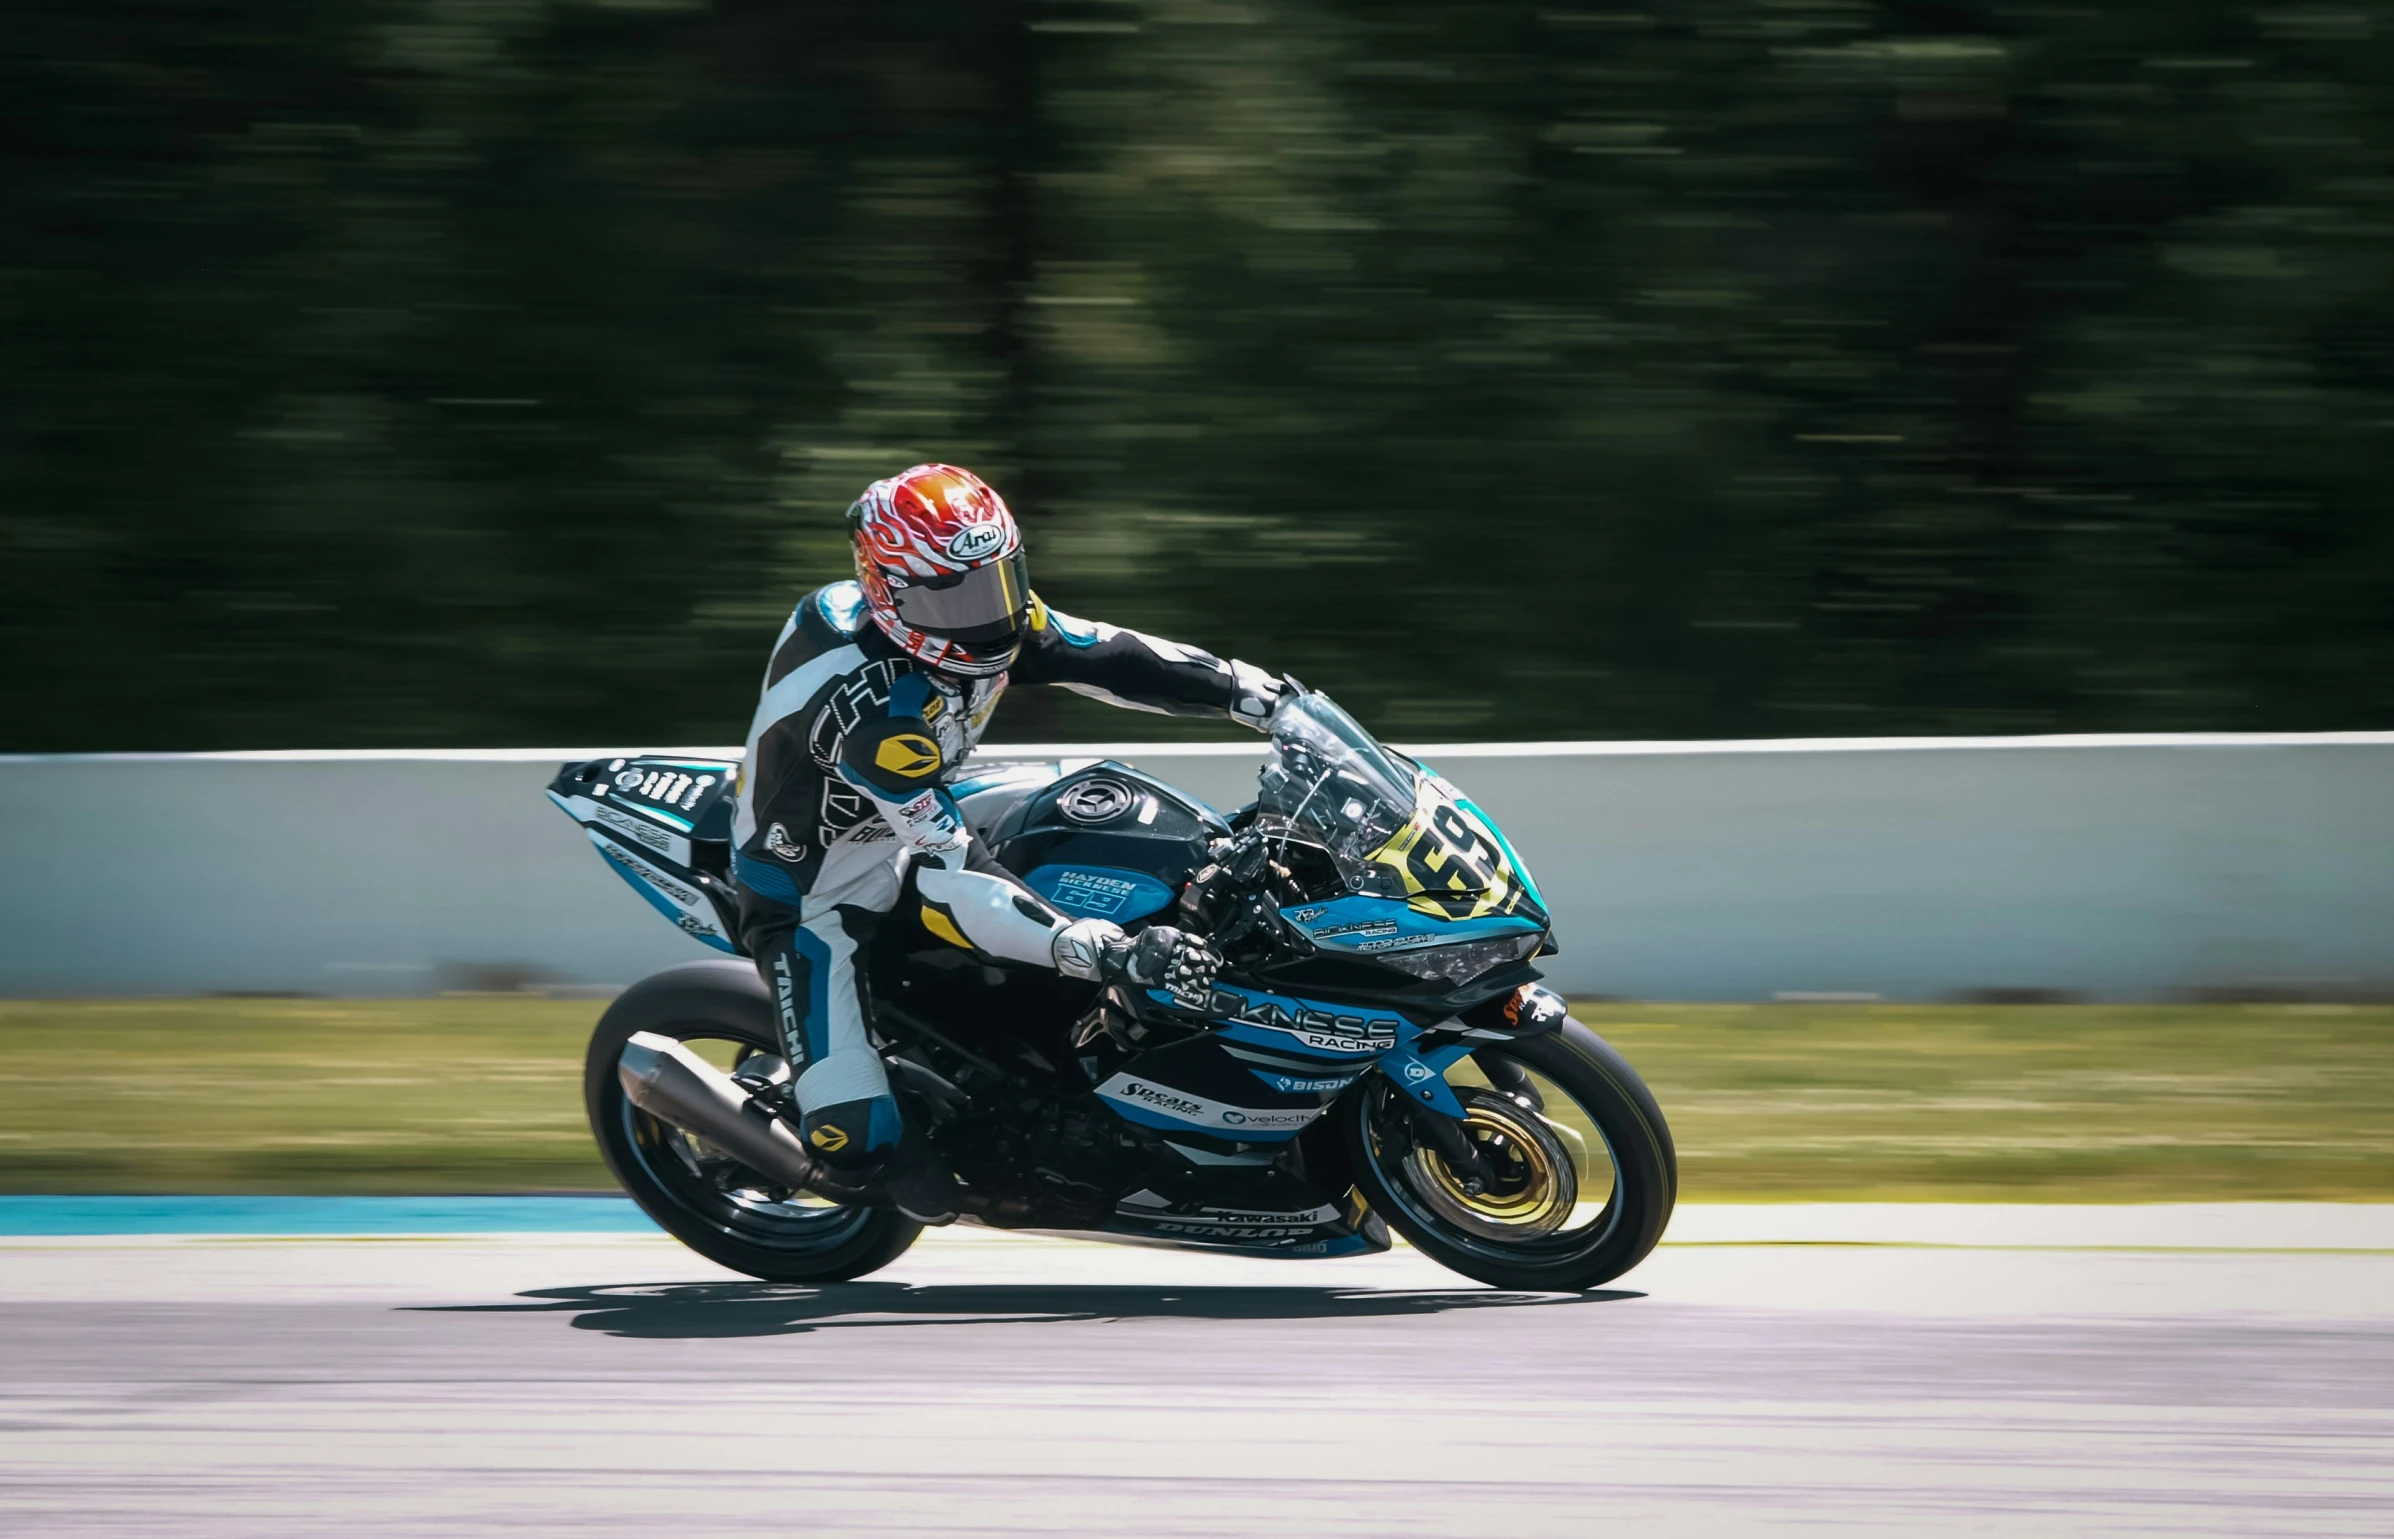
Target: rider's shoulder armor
826,620
840,606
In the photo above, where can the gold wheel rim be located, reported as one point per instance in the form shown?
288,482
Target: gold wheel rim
1540,1186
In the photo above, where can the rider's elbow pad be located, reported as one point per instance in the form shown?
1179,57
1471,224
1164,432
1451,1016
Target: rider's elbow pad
997,917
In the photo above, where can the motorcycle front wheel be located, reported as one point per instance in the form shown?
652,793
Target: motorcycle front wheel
1577,1173
720,1208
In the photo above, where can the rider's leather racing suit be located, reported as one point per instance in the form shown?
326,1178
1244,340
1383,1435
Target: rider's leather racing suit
845,781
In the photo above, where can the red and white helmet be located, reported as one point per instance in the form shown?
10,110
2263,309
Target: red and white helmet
941,565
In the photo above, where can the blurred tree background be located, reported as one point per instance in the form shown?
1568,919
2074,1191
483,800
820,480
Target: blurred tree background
464,372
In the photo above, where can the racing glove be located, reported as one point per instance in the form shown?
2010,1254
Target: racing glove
1158,957
1254,696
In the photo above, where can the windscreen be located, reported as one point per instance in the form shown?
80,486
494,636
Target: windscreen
1392,828
1338,787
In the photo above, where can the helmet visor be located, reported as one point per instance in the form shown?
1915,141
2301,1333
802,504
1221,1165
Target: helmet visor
983,605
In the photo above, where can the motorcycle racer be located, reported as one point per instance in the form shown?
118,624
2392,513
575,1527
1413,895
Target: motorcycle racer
877,691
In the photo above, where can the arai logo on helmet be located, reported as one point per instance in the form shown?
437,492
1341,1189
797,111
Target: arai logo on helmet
974,541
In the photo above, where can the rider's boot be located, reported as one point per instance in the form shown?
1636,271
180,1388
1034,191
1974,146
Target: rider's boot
917,1182
852,1146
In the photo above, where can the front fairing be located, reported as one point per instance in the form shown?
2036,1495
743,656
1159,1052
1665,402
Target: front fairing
1457,876
1392,827
1427,898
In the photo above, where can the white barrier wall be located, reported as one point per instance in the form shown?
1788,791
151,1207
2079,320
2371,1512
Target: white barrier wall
2118,867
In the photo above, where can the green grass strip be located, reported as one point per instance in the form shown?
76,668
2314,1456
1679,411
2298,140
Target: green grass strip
1769,1102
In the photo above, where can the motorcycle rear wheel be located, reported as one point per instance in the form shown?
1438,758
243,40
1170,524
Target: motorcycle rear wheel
1570,1211
718,1207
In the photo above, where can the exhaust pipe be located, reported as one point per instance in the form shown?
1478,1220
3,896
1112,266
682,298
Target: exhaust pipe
670,1082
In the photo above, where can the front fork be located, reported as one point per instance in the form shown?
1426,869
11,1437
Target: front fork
1434,1110
1431,1104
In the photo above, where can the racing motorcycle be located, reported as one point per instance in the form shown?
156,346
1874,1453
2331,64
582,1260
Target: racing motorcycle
1377,1053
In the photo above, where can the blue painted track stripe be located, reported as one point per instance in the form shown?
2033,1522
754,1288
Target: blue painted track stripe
321,1215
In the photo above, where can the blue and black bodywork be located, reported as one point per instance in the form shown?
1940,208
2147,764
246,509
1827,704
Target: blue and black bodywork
1065,1105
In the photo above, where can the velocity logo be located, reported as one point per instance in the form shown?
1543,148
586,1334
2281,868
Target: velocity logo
1125,1090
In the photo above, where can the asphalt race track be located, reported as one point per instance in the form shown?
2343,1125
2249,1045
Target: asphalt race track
2073,1371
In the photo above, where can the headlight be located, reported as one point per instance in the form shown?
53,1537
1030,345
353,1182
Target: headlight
1459,964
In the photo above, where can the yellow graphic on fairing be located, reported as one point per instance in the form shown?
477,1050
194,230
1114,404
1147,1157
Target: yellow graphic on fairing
942,926
1450,861
909,754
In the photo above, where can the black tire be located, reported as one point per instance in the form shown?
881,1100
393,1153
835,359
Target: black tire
1611,1098
778,1241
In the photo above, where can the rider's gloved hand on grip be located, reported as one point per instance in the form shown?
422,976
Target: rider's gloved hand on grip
1256,694
1159,957
1179,963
